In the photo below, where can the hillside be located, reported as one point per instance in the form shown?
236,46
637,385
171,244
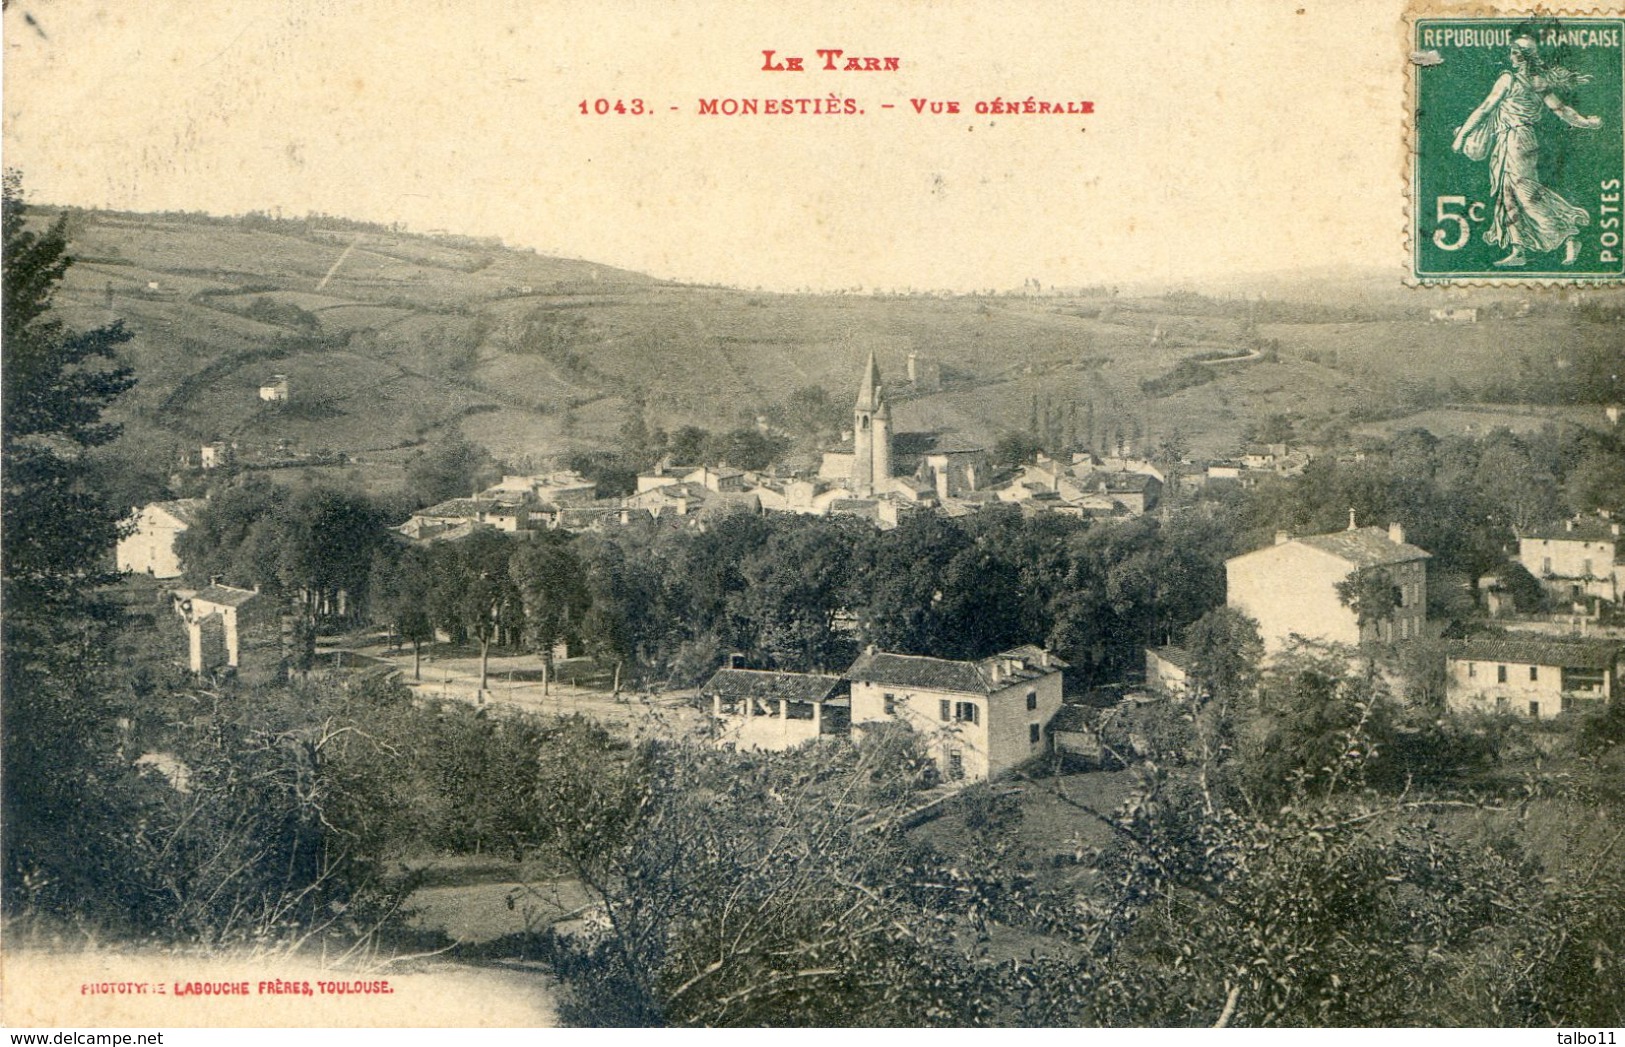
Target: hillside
389,338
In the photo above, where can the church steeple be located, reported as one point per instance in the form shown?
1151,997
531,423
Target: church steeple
871,435
870,395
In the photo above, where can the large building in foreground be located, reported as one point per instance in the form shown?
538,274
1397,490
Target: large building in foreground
978,719
1291,588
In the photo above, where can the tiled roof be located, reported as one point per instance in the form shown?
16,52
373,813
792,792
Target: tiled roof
907,670
575,517
733,501
772,686
1173,655
910,444
1124,483
1074,719
943,674
1568,654
1364,547
183,509
457,507
1583,531
225,595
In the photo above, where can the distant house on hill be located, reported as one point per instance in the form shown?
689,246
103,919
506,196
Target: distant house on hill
979,718
214,455
1454,316
150,548
1533,678
1291,588
758,709
275,390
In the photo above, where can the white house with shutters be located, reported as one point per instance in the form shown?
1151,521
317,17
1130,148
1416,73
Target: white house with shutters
979,718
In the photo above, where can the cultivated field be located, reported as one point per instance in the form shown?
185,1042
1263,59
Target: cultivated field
390,339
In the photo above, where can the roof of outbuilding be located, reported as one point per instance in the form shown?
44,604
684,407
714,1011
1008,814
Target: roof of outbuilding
1074,719
225,595
773,686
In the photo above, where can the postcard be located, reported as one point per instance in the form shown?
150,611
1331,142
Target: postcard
524,513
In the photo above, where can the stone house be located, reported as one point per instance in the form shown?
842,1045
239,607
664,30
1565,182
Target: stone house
1577,561
1535,678
150,548
275,390
1167,670
1290,588
979,718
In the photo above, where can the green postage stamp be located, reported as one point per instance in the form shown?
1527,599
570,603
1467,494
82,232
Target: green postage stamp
1517,149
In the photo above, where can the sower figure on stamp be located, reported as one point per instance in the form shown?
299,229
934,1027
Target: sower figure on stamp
1528,215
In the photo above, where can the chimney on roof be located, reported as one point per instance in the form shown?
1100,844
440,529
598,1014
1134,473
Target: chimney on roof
1282,537
1614,529
1396,534
996,670
1568,525
1351,518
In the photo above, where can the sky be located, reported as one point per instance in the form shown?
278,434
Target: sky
1227,136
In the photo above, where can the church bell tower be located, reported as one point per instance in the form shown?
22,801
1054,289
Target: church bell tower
871,436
